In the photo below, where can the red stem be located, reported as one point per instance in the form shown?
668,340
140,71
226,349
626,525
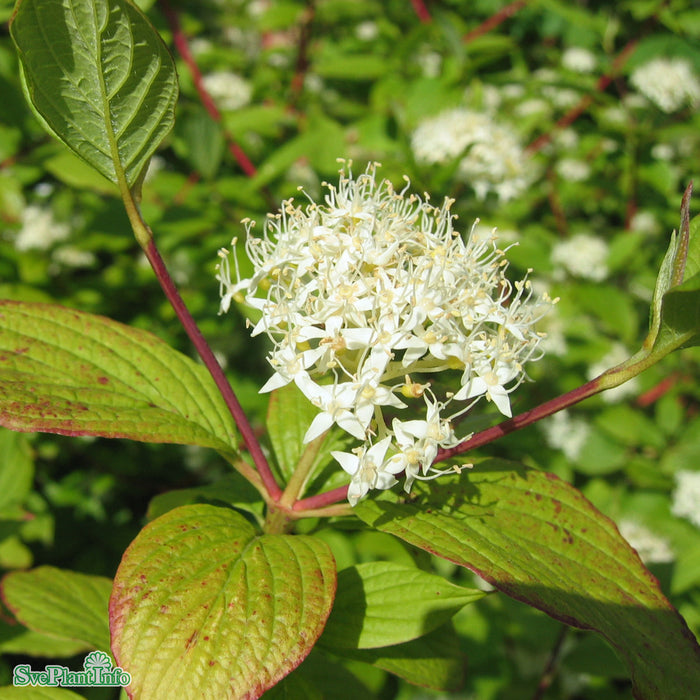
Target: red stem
322,499
215,370
422,11
523,419
180,41
493,21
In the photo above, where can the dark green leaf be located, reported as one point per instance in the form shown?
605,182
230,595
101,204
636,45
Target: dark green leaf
100,78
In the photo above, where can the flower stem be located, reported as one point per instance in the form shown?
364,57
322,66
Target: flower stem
322,500
302,472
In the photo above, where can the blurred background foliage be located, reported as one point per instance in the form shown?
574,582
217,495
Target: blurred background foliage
544,119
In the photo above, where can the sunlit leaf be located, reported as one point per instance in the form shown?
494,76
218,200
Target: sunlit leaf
65,604
203,606
68,372
381,604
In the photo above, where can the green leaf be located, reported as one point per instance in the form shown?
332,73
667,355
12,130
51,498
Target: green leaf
232,490
327,677
16,639
539,540
16,468
65,604
100,77
68,372
432,661
39,693
380,604
675,309
289,415
203,606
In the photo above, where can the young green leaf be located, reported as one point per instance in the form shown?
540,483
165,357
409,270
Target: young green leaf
432,661
100,78
537,539
68,372
675,309
65,604
380,603
203,606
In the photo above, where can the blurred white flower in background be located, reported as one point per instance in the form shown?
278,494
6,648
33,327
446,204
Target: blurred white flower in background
582,255
652,548
228,90
430,63
573,169
367,30
368,296
69,256
686,496
578,60
644,221
491,157
566,433
670,83
39,229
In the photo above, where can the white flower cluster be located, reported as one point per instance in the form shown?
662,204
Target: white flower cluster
582,255
491,157
228,90
366,297
651,547
578,60
39,229
669,83
686,496
566,433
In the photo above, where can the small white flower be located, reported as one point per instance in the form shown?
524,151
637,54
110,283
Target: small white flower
374,285
68,256
578,60
652,548
582,255
670,83
491,157
228,90
367,468
686,496
367,30
644,221
566,433
573,170
430,63
39,229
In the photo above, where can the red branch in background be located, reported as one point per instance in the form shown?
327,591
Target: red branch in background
302,61
180,41
422,11
493,21
656,392
585,102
